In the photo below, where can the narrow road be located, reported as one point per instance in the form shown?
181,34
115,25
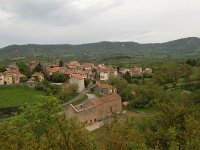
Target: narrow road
90,86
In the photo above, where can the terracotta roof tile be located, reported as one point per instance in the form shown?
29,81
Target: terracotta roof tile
53,70
78,76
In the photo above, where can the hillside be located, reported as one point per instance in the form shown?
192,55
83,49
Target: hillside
187,47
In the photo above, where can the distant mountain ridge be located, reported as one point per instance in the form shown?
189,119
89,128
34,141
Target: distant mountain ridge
183,47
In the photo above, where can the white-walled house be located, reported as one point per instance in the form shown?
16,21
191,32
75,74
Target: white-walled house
104,76
78,80
1,79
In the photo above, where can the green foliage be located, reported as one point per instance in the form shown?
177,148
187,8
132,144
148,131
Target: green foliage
174,125
86,82
68,92
24,69
61,63
17,96
168,73
24,79
42,126
49,89
130,53
2,68
119,83
120,135
59,77
146,95
38,68
128,77
122,86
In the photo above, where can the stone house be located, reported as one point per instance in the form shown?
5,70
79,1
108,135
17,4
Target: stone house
86,74
78,80
38,76
136,70
1,79
73,64
13,68
32,64
53,70
88,66
103,89
95,110
104,75
123,70
148,70
8,79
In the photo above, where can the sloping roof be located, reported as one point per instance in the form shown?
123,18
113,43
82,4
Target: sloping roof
77,76
36,74
74,63
105,86
106,99
95,102
53,70
70,72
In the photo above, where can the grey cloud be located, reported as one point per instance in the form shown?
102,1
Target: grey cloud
83,21
60,12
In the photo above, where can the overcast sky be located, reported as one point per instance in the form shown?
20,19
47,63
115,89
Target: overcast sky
85,21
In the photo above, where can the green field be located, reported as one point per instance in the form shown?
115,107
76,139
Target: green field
17,96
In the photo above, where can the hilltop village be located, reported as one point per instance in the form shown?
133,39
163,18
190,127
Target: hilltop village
87,78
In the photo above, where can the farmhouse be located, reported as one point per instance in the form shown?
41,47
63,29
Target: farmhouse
95,109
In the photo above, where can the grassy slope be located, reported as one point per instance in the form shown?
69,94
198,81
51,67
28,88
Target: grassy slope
17,96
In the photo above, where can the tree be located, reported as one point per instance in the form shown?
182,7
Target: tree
67,92
186,71
59,77
86,82
121,135
119,83
24,69
61,63
174,125
42,126
168,73
2,68
38,68
128,77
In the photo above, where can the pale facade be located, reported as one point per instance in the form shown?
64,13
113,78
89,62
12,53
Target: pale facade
1,79
8,79
79,81
104,76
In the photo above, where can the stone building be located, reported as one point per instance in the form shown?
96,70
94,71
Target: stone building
38,77
103,89
1,79
8,79
78,80
95,110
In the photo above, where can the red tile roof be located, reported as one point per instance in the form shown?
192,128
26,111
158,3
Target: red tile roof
106,99
105,86
53,70
78,76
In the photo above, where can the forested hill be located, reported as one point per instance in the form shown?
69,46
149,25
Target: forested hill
187,47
